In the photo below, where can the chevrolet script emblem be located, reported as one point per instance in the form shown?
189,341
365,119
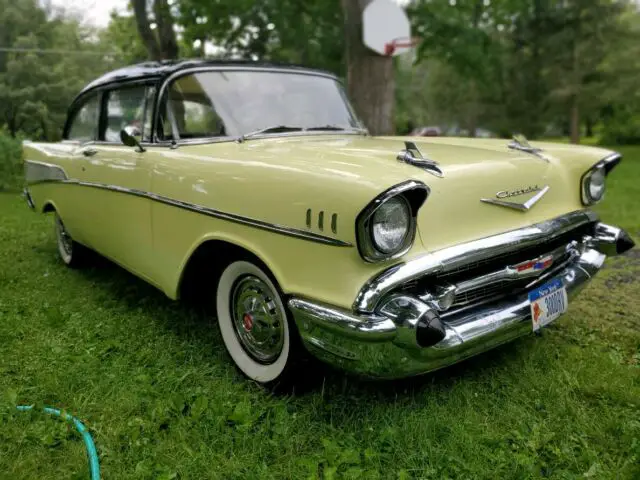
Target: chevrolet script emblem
502,195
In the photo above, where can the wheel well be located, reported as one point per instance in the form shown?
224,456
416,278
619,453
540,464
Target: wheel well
204,268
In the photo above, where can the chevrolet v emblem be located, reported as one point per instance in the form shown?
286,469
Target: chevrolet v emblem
523,207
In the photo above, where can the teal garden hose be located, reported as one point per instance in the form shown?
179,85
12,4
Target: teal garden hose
94,466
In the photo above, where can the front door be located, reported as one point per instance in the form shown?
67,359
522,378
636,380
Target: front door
116,178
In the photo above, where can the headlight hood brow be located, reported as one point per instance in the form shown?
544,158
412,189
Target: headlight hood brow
609,162
415,192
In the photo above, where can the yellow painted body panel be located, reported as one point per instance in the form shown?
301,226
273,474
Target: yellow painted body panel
276,180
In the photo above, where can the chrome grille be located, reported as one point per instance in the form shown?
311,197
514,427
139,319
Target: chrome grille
478,294
491,263
488,293
497,276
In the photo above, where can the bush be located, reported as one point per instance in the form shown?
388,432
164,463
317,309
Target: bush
622,128
11,166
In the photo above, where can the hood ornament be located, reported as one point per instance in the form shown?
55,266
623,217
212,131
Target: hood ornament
521,143
412,156
523,207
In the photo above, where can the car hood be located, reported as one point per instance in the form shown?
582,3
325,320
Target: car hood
474,169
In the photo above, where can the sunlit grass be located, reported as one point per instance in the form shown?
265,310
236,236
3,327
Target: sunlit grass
150,378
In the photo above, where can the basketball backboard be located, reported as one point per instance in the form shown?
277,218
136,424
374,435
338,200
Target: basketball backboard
385,28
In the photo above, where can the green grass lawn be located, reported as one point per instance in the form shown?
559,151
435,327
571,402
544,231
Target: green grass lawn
152,381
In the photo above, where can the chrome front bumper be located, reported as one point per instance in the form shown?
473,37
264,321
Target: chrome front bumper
387,342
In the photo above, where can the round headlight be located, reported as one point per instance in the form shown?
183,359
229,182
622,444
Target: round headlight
391,224
596,184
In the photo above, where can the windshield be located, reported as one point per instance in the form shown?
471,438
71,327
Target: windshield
236,103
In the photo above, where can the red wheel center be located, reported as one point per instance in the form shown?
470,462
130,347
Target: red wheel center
247,322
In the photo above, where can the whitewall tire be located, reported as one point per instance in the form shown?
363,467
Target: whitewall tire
253,322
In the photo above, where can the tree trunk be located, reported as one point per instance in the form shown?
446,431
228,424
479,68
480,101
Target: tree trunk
370,77
575,120
588,127
166,34
164,45
144,29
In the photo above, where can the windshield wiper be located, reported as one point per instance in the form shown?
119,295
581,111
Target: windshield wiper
275,129
337,128
287,128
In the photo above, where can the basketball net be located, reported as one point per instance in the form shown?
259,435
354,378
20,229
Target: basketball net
402,42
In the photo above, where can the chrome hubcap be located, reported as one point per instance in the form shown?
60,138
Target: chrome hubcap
63,237
257,320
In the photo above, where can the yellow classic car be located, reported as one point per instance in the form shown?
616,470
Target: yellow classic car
257,186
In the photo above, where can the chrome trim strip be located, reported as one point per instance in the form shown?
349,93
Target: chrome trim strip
457,255
271,227
38,172
524,207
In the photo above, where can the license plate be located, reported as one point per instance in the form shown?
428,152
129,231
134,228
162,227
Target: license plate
548,302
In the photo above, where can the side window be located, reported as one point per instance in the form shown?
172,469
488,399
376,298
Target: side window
194,116
128,107
85,122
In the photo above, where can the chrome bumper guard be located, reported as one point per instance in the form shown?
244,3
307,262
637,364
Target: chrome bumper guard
406,335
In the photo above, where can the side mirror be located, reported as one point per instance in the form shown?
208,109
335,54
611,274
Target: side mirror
131,137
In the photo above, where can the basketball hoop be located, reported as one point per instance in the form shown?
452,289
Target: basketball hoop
400,43
386,28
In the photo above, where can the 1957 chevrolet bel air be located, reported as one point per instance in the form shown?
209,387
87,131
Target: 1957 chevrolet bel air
258,186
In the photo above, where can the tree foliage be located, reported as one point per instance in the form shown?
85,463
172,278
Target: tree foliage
49,59
530,66
121,36
525,65
295,31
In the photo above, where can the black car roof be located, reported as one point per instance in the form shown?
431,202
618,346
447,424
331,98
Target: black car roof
165,68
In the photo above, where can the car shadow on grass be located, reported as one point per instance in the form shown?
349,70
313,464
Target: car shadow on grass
195,321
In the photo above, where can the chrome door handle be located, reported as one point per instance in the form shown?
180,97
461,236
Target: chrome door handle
89,152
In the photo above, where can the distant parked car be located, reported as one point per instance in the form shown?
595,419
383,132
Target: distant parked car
426,132
256,185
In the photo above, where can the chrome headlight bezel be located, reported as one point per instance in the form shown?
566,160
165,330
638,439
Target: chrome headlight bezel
412,194
601,169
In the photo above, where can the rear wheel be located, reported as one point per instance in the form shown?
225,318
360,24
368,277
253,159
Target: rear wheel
254,324
71,252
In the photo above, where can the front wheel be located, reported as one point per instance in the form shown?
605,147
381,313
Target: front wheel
254,324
